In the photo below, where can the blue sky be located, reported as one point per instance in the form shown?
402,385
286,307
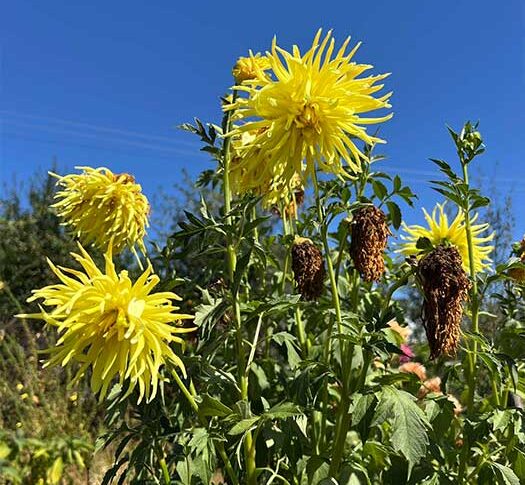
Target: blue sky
105,83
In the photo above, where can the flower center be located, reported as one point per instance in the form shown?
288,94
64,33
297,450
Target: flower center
308,120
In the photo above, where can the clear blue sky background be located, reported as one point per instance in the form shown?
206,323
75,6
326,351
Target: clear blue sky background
105,83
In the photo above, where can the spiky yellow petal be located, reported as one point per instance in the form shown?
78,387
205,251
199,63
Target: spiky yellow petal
440,231
251,67
305,112
107,322
101,206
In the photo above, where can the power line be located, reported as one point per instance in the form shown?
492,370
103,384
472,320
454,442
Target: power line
119,131
51,129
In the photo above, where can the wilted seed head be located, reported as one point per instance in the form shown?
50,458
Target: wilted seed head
308,268
369,238
445,287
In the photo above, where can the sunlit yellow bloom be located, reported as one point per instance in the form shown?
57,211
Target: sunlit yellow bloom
274,189
305,113
101,206
439,231
106,321
251,67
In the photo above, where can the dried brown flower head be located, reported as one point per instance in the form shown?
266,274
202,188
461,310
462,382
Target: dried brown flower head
369,239
308,268
445,288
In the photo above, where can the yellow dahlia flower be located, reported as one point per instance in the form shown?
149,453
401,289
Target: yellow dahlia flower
439,231
274,189
305,112
101,206
106,321
251,67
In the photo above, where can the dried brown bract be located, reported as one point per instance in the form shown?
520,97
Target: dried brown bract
445,287
369,238
308,268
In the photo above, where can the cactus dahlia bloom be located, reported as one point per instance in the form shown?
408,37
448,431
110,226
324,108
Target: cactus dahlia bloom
251,67
439,231
107,322
101,206
305,112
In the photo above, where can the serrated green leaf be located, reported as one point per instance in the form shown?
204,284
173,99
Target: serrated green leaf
409,423
283,411
362,405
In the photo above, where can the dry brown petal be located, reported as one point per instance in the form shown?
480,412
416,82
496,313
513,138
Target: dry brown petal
308,268
445,287
369,239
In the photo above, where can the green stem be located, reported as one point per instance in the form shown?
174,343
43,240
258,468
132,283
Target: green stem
343,418
473,296
289,229
220,445
329,264
249,449
165,471
402,281
186,392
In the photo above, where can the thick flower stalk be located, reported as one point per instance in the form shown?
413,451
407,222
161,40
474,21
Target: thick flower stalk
100,206
107,322
439,231
305,112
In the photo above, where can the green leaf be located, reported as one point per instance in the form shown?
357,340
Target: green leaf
397,183
519,465
505,475
317,469
362,404
409,423
395,214
211,406
283,411
424,243
243,426
379,189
